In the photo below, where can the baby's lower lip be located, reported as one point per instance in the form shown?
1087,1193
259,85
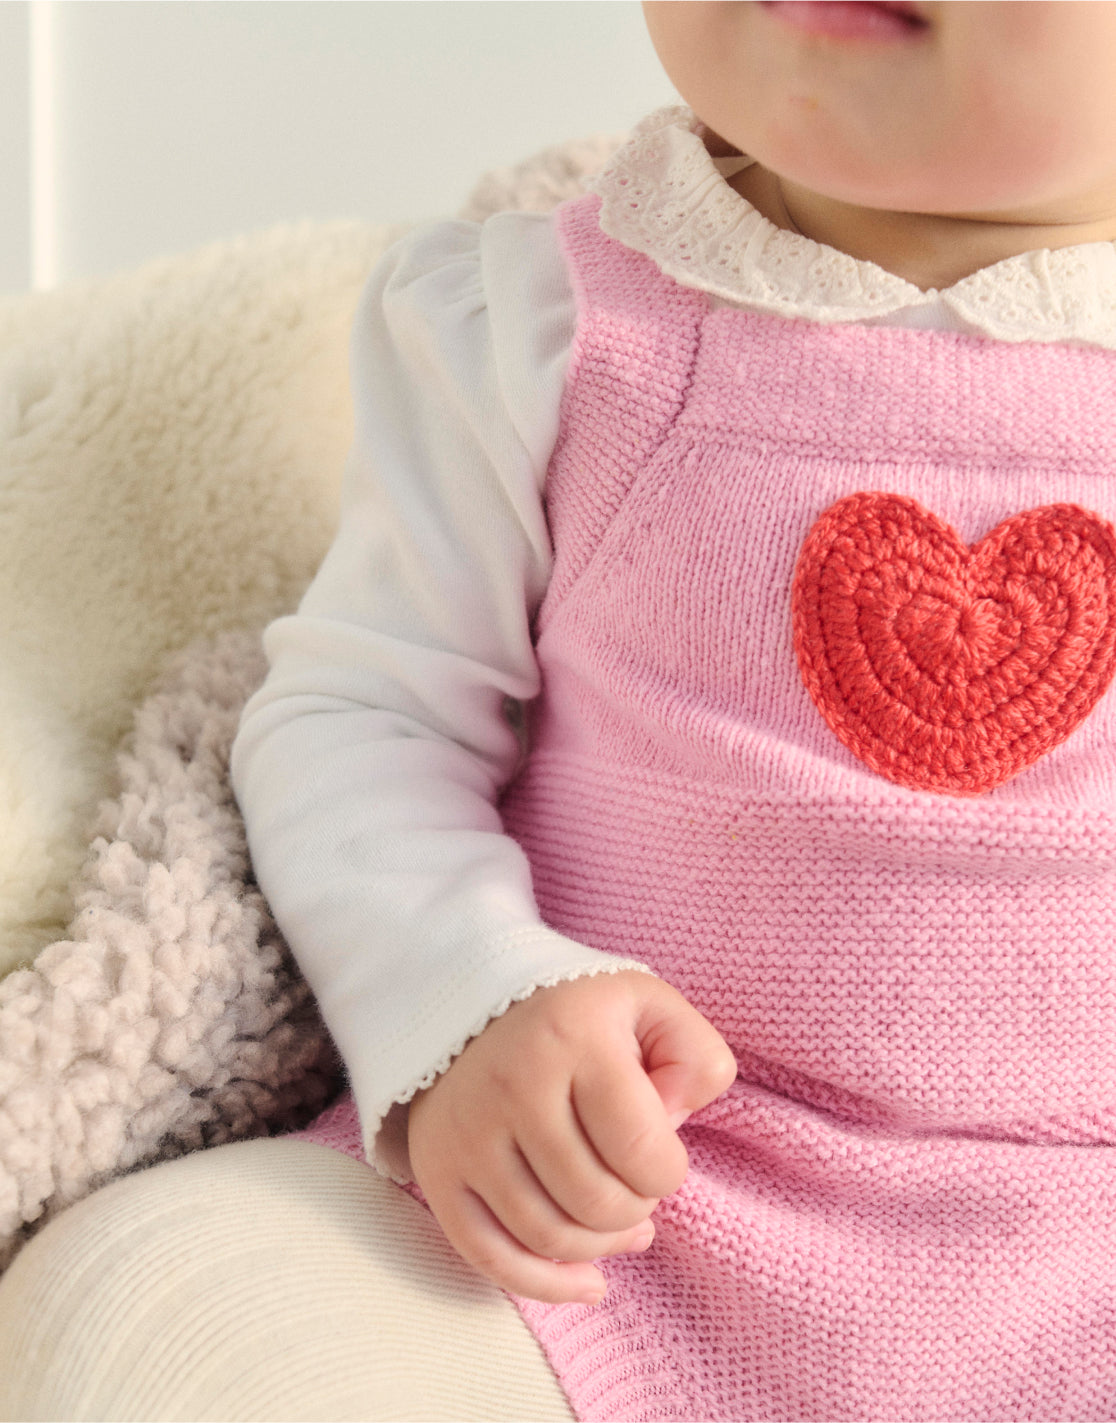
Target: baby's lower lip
848,19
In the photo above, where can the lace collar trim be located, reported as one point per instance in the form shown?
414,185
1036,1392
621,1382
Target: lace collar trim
663,195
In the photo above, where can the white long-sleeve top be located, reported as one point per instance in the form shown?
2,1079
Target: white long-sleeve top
370,763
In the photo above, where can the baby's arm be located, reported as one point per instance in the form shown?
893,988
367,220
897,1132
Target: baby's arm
551,1139
369,765
369,768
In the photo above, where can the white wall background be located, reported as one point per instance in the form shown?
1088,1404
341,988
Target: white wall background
15,269
134,128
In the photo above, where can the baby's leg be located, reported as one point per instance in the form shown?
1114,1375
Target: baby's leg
264,1280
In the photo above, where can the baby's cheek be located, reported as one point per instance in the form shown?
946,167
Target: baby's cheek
1035,98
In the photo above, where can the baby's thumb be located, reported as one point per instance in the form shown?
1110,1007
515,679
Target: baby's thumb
688,1061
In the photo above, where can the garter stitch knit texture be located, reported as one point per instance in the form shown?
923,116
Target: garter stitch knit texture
905,1207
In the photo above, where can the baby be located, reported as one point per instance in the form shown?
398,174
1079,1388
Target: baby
750,1015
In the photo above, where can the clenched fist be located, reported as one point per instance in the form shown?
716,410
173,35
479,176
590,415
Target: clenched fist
552,1138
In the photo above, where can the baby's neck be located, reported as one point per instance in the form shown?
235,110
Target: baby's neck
928,250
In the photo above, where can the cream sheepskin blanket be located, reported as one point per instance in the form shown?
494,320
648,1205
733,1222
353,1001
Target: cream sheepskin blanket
171,446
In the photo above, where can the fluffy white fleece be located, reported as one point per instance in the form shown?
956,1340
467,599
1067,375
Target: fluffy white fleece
171,445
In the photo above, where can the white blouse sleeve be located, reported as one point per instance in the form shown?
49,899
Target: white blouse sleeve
369,764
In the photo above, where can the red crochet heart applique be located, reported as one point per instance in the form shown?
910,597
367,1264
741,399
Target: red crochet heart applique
947,668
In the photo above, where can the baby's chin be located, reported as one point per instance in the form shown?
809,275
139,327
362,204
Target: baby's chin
1009,188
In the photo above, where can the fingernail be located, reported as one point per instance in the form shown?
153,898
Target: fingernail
644,1238
593,1296
677,1118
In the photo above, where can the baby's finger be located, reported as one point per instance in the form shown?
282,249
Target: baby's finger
577,1180
479,1238
623,1116
528,1212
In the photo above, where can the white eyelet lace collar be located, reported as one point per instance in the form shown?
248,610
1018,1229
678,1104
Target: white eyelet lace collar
663,195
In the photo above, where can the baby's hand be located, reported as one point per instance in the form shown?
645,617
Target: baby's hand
551,1139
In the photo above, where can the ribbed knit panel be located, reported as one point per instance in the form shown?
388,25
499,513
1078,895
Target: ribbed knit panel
906,1207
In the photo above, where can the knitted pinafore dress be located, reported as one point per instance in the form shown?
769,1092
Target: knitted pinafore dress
824,739
850,787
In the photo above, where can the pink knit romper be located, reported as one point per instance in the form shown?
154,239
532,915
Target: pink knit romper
825,738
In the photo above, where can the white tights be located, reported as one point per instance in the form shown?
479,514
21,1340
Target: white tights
264,1280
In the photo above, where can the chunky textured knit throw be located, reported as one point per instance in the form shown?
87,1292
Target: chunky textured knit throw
825,738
